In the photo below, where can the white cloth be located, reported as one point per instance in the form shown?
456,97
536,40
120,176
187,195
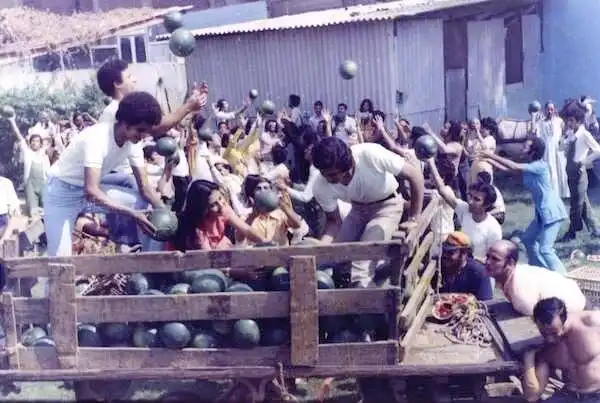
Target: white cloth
9,202
346,130
109,115
374,179
154,173
202,169
586,147
499,204
482,234
551,131
30,156
306,194
442,224
95,147
529,284
182,169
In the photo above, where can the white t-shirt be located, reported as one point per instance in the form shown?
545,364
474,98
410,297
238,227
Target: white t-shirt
202,169
109,115
499,204
9,202
182,169
374,179
345,130
529,284
482,234
95,147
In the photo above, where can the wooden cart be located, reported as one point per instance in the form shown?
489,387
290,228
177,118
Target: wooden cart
405,300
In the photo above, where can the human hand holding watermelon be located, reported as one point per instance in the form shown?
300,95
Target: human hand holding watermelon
141,218
199,97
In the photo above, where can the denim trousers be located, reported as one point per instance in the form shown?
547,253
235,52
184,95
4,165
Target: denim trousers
539,239
65,201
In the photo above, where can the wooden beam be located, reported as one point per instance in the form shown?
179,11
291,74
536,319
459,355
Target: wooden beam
165,262
304,312
218,306
411,274
134,359
414,302
425,218
415,327
62,313
10,328
259,372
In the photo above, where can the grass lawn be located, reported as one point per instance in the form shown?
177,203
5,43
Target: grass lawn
518,215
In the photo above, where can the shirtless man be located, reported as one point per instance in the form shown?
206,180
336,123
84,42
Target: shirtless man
572,344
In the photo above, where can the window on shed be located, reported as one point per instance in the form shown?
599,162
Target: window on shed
513,48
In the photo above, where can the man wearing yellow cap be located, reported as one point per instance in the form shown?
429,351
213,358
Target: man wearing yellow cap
460,272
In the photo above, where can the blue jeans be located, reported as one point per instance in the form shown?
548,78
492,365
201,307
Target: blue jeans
64,202
123,229
539,239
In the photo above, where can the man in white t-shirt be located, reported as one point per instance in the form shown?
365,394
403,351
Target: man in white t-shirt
75,179
365,175
524,285
344,126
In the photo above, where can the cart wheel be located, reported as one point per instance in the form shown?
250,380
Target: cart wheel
102,391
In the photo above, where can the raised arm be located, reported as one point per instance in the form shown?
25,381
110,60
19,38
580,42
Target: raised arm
442,146
195,102
510,164
444,191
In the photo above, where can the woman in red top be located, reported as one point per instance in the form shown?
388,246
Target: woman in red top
205,217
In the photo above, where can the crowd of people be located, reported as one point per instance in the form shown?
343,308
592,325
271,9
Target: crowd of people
338,178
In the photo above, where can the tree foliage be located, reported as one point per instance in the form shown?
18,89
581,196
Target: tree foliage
28,102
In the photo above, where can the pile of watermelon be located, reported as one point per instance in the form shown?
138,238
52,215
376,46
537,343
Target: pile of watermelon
242,333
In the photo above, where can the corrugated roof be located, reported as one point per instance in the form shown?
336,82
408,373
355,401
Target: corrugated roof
373,12
25,31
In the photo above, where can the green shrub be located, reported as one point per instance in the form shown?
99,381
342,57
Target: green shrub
32,99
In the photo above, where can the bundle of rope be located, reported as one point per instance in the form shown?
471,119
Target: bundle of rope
467,325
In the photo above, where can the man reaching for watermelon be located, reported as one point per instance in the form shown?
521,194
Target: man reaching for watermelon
367,176
74,181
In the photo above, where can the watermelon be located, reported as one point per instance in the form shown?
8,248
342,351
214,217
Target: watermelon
166,146
275,336
173,21
180,288
335,323
137,284
116,332
267,107
222,327
217,275
145,337
153,292
246,333
188,276
253,94
266,201
348,69
33,334
174,335
166,223
89,336
204,284
7,111
182,42
44,342
239,287
425,147
205,339
205,134
174,159
324,281
280,280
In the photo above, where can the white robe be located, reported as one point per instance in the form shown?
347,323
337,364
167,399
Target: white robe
551,132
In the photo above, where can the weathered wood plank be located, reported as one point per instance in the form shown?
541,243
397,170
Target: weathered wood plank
258,372
304,312
162,262
63,313
422,288
97,309
10,329
411,272
415,327
342,355
425,218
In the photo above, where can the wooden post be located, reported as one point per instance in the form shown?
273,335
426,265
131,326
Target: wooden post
63,313
304,311
10,330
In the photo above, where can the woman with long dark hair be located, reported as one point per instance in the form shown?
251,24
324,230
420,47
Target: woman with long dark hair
205,217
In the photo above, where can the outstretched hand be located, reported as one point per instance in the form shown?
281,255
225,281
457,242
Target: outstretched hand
199,96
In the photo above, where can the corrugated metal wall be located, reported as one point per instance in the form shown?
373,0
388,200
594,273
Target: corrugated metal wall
300,61
486,73
420,71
